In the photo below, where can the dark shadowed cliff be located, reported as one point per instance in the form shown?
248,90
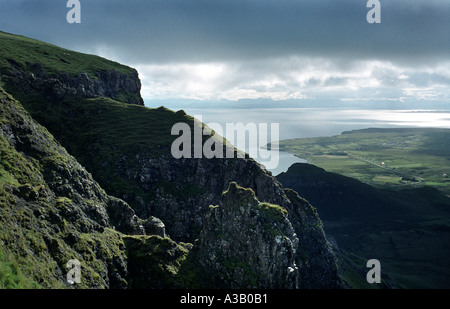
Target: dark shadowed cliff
104,188
406,229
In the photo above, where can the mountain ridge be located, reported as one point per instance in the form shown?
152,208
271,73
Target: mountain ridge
56,73
158,203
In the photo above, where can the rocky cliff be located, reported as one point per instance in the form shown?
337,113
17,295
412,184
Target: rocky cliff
52,210
244,241
62,85
30,67
162,224
184,190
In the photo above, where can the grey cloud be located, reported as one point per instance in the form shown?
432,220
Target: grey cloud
312,47
429,79
159,31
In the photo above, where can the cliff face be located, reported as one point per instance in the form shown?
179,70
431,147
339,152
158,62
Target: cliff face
182,189
48,72
33,78
180,193
248,244
260,235
53,211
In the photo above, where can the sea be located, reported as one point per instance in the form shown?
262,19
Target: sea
315,122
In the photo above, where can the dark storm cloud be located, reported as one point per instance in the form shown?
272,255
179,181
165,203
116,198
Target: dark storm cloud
150,31
278,49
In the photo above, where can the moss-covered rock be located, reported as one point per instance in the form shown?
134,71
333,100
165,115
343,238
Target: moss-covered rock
31,67
53,209
248,244
159,263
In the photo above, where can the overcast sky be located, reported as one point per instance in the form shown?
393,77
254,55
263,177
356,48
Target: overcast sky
243,49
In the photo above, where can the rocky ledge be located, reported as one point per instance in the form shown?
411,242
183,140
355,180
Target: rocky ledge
60,85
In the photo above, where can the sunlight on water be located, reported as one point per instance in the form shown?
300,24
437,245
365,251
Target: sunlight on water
313,122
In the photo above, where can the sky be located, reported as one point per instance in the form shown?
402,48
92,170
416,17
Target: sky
278,50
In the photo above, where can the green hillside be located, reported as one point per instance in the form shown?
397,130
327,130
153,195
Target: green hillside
98,131
87,172
407,230
22,50
110,130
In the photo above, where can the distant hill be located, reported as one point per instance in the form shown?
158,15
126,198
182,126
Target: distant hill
407,230
316,103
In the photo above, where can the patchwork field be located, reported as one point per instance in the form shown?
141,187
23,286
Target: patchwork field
404,157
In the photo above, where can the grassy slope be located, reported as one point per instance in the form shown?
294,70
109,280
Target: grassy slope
22,50
108,126
33,230
109,131
17,234
14,170
382,157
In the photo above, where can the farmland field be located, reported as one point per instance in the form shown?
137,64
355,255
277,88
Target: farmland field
405,157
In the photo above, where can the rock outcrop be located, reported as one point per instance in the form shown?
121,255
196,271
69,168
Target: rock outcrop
248,244
60,85
52,210
157,206
182,192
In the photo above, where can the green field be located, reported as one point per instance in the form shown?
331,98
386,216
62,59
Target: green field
406,157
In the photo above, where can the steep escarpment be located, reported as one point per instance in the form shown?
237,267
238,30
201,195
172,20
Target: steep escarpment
159,224
53,211
248,244
30,67
61,85
140,169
